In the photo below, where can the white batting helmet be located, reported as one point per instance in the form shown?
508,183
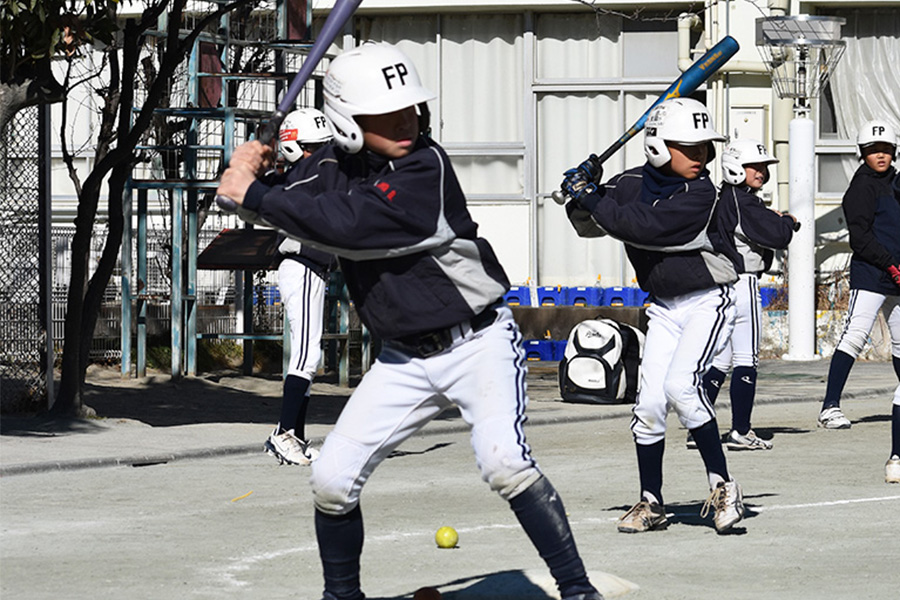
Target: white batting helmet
872,132
302,126
372,79
680,120
742,152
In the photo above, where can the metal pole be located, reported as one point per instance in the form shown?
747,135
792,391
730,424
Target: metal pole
127,243
802,253
45,250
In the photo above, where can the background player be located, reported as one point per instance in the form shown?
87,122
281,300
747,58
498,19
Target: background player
665,214
387,201
757,231
872,211
302,280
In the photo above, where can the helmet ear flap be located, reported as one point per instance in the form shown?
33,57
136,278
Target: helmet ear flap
347,133
732,170
424,114
656,151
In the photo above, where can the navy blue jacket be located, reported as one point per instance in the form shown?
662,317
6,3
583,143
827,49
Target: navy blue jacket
674,244
872,210
407,245
320,263
757,229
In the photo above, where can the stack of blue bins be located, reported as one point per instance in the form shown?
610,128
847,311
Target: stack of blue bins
554,295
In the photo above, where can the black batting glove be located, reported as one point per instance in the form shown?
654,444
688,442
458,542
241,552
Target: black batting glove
583,179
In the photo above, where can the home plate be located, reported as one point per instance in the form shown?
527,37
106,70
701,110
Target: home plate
524,585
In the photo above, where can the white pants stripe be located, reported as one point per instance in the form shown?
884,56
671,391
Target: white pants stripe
683,336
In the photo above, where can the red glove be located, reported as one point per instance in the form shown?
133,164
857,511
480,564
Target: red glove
894,272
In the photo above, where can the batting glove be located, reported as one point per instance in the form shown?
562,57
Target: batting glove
894,272
583,179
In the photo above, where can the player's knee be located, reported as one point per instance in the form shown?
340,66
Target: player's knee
680,388
504,460
853,342
338,476
509,482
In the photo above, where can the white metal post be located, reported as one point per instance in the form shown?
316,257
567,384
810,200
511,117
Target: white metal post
802,252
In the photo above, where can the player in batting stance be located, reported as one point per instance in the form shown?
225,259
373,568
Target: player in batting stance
385,199
758,231
302,278
665,212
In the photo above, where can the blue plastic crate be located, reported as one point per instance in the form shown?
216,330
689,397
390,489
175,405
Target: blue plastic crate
584,296
768,295
518,296
551,295
559,349
618,296
538,349
641,298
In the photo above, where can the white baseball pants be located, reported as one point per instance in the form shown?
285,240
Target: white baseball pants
482,373
303,297
742,347
861,314
684,334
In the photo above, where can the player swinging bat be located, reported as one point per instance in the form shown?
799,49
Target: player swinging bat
685,85
339,15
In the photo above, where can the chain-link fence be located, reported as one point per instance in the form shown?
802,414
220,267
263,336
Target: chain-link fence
22,335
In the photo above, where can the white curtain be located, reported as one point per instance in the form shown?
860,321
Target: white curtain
866,80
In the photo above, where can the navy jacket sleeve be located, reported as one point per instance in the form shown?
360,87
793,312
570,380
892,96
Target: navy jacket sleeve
761,225
397,213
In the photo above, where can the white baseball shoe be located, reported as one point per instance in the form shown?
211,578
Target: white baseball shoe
833,418
289,449
892,470
748,441
643,516
728,503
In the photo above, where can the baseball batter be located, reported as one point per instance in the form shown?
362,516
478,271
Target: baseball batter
665,213
757,232
386,200
302,280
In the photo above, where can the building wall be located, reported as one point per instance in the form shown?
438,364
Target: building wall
529,89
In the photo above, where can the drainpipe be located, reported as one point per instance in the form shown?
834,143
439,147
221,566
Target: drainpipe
782,114
686,22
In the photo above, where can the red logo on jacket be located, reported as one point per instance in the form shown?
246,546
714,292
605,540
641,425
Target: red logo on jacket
384,187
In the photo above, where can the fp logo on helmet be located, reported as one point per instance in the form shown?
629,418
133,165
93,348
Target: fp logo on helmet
394,72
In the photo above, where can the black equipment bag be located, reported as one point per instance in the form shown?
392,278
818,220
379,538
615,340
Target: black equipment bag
602,363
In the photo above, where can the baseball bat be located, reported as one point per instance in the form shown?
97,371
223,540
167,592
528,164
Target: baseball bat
702,69
339,15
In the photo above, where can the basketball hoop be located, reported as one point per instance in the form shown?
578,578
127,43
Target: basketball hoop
800,53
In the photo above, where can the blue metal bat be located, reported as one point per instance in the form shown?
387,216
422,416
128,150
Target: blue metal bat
685,85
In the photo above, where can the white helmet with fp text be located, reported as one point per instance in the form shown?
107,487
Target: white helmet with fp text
872,132
742,152
680,120
372,79
302,127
